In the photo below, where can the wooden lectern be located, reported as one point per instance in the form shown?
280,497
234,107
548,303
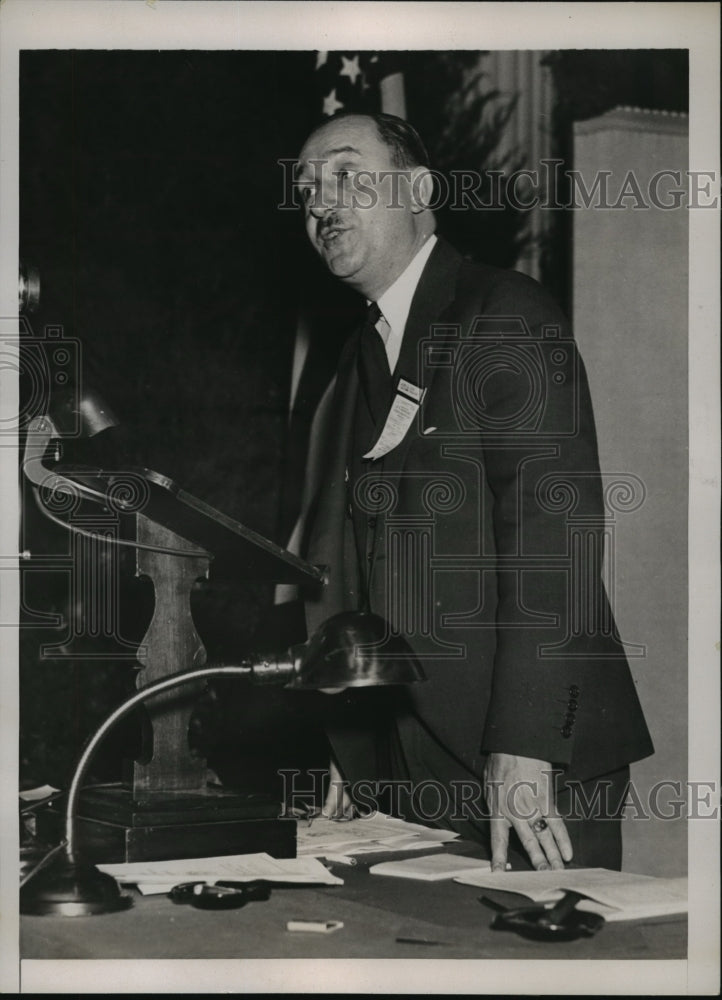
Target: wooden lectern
168,810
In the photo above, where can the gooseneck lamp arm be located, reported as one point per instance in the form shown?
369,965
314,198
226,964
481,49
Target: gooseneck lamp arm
268,670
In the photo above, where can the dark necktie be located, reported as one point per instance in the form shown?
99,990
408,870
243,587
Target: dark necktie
373,366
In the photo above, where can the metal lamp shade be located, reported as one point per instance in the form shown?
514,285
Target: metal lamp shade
355,649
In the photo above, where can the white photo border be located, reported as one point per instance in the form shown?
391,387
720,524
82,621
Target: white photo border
228,24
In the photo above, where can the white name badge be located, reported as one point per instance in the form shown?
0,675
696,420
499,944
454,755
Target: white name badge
404,408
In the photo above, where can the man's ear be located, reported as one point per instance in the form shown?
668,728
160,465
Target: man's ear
422,189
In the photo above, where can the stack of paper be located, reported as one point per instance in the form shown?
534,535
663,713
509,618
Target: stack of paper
161,876
431,867
326,838
614,895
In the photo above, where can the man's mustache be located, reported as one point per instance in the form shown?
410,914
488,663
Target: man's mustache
330,223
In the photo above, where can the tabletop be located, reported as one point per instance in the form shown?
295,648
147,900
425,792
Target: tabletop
375,911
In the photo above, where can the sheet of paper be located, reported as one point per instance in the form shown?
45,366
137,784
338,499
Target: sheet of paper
366,834
616,895
388,825
237,868
431,867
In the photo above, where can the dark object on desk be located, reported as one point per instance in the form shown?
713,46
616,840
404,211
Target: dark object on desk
221,895
561,922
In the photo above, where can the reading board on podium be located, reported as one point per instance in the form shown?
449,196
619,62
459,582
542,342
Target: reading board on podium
235,549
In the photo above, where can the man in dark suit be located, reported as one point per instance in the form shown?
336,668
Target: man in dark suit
461,499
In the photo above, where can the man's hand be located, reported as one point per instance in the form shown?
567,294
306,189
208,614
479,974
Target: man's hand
519,793
338,805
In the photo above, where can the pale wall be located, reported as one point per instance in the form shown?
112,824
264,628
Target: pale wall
630,319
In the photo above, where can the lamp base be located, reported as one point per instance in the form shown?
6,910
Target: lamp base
72,889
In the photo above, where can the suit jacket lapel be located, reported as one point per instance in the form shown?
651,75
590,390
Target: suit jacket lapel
434,293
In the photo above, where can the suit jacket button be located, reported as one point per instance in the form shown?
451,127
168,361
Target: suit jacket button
372,522
572,705
573,691
570,718
567,732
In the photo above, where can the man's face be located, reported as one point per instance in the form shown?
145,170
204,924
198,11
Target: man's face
359,221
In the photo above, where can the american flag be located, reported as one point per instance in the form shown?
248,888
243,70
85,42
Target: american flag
359,81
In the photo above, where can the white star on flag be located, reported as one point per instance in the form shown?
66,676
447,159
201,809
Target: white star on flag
351,68
330,104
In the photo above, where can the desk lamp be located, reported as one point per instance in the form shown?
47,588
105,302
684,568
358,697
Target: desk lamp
351,649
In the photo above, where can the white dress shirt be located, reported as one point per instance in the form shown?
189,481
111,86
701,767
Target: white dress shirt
395,303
